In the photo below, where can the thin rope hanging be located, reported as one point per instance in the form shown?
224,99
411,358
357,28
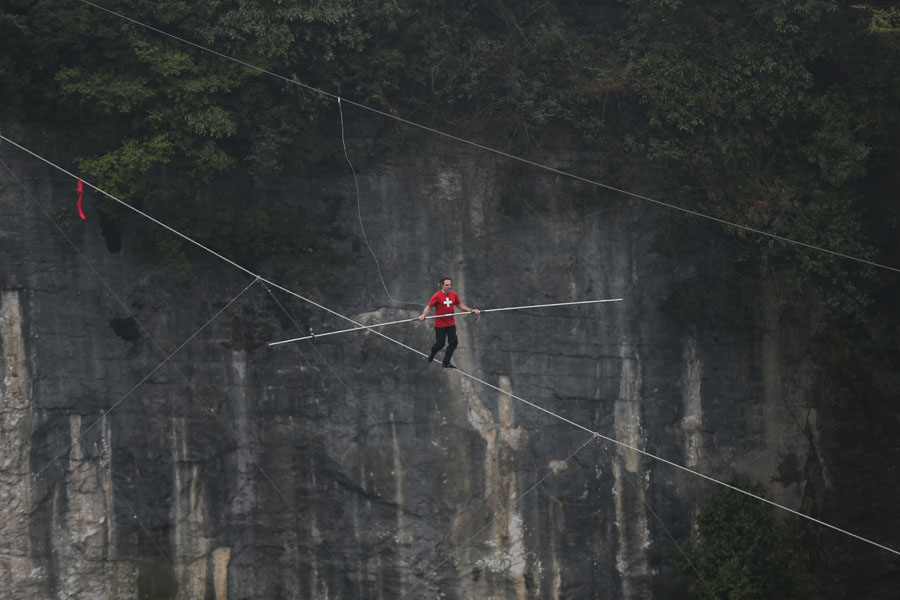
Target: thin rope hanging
362,228
463,373
520,159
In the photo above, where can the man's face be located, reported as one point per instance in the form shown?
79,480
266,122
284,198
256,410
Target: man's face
445,285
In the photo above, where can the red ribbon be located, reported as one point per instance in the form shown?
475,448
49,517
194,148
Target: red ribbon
80,191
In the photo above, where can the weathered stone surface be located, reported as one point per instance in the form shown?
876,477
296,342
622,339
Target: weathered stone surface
347,468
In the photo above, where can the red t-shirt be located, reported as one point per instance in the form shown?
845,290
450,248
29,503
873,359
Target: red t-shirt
443,305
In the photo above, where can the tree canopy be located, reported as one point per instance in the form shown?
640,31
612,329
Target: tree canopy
781,116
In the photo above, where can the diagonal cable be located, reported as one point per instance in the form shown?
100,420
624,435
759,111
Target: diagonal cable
510,394
359,213
684,555
440,505
352,395
143,380
493,519
485,148
156,345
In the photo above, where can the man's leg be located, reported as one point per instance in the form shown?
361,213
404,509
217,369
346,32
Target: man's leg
454,342
440,336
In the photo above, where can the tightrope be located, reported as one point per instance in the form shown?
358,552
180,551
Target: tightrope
420,353
457,314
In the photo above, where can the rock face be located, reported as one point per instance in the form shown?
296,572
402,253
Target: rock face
347,468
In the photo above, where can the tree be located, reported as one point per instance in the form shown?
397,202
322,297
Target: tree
772,115
740,551
178,132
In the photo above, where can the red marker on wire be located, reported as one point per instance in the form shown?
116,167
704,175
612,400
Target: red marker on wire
80,191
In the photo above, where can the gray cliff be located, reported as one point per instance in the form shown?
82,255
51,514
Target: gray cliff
347,468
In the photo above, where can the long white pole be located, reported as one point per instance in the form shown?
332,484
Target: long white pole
460,314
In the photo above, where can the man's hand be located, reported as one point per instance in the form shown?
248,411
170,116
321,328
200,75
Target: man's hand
421,317
476,311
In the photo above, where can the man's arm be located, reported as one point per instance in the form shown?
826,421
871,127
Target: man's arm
467,309
425,312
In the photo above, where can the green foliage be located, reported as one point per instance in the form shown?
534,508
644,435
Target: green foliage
719,82
762,109
518,67
772,114
163,125
742,552
122,169
884,20
828,221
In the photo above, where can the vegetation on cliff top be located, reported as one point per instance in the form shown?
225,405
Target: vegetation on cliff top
781,116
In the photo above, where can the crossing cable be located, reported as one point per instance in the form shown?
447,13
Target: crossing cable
456,314
681,467
637,490
123,305
112,292
362,407
493,519
334,372
513,157
198,244
142,381
463,373
121,498
359,212
284,498
422,580
156,345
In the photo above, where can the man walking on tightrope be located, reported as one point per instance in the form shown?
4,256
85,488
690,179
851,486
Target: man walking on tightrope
443,302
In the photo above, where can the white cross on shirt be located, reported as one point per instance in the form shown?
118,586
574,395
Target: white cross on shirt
448,302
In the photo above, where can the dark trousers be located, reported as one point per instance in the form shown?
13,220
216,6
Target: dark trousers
441,335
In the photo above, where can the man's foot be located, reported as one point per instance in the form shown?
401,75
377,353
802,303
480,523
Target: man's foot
448,365
430,357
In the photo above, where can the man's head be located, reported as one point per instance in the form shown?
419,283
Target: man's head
445,284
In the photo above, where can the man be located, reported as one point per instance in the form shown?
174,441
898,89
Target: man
443,302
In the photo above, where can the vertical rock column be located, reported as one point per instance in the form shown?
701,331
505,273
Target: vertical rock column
509,561
630,484
18,579
189,515
82,542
